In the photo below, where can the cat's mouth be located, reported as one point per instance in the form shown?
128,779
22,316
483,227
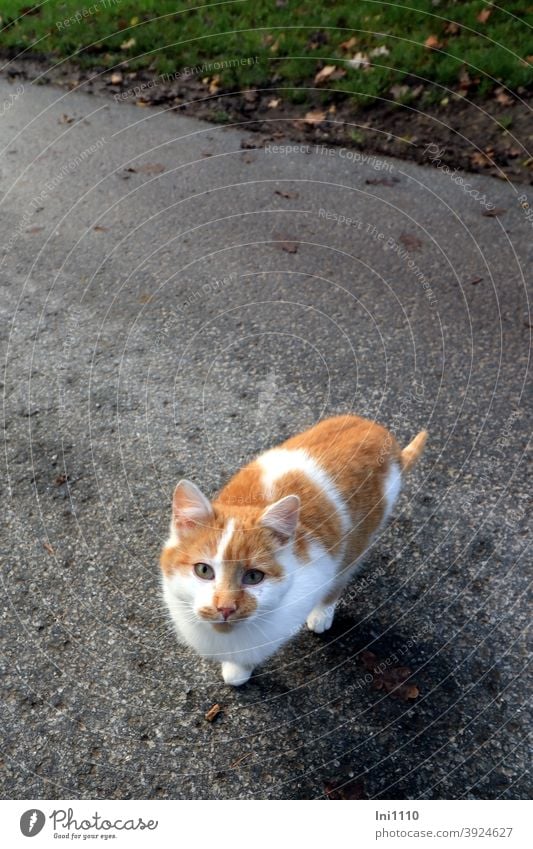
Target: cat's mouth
224,626
215,619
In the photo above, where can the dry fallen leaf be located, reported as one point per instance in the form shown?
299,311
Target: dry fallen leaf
127,45
452,28
214,84
325,73
411,242
60,479
314,117
494,212
346,46
484,15
475,280
213,712
274,102
368,659
503,98
250,95
100,228
241,759
360,60
391,679
380,51
465,80
283,243
147,168
116,77
399,91
480,159
145,298
66,119
288,195
47,547
432,42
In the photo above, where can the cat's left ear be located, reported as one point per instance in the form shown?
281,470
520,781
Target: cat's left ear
282,518
190,507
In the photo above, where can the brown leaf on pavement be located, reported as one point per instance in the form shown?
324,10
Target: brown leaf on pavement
288,195
494,212
411,242
285,244
147,168
393,680
213,712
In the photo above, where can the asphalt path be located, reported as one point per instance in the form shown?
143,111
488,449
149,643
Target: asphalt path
174,302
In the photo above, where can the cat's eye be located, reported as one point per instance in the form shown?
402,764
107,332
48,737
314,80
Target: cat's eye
252,577
204,571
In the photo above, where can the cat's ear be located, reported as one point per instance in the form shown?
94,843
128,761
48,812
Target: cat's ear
282,518
190,507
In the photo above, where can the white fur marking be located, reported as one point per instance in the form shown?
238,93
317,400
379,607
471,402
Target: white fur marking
391,488
223,544
235,674
321,618
280,461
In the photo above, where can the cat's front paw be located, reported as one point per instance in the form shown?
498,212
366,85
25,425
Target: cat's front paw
321,618
234,674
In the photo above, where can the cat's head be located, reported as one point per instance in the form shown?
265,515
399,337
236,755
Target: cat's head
227,564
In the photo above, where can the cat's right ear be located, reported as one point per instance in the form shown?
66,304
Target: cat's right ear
190,507
282,518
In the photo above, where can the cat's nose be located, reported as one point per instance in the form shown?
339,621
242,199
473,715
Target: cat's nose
226,611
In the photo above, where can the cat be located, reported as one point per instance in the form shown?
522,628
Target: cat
278,544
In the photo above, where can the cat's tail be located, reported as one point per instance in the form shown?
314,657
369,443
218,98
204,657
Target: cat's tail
412,452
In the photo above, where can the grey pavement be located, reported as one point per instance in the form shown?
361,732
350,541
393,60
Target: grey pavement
173,303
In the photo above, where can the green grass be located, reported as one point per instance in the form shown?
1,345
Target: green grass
288,43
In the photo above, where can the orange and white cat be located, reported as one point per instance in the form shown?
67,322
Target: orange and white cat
276,547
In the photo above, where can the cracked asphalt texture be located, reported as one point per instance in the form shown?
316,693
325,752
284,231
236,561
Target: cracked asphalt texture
173,303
